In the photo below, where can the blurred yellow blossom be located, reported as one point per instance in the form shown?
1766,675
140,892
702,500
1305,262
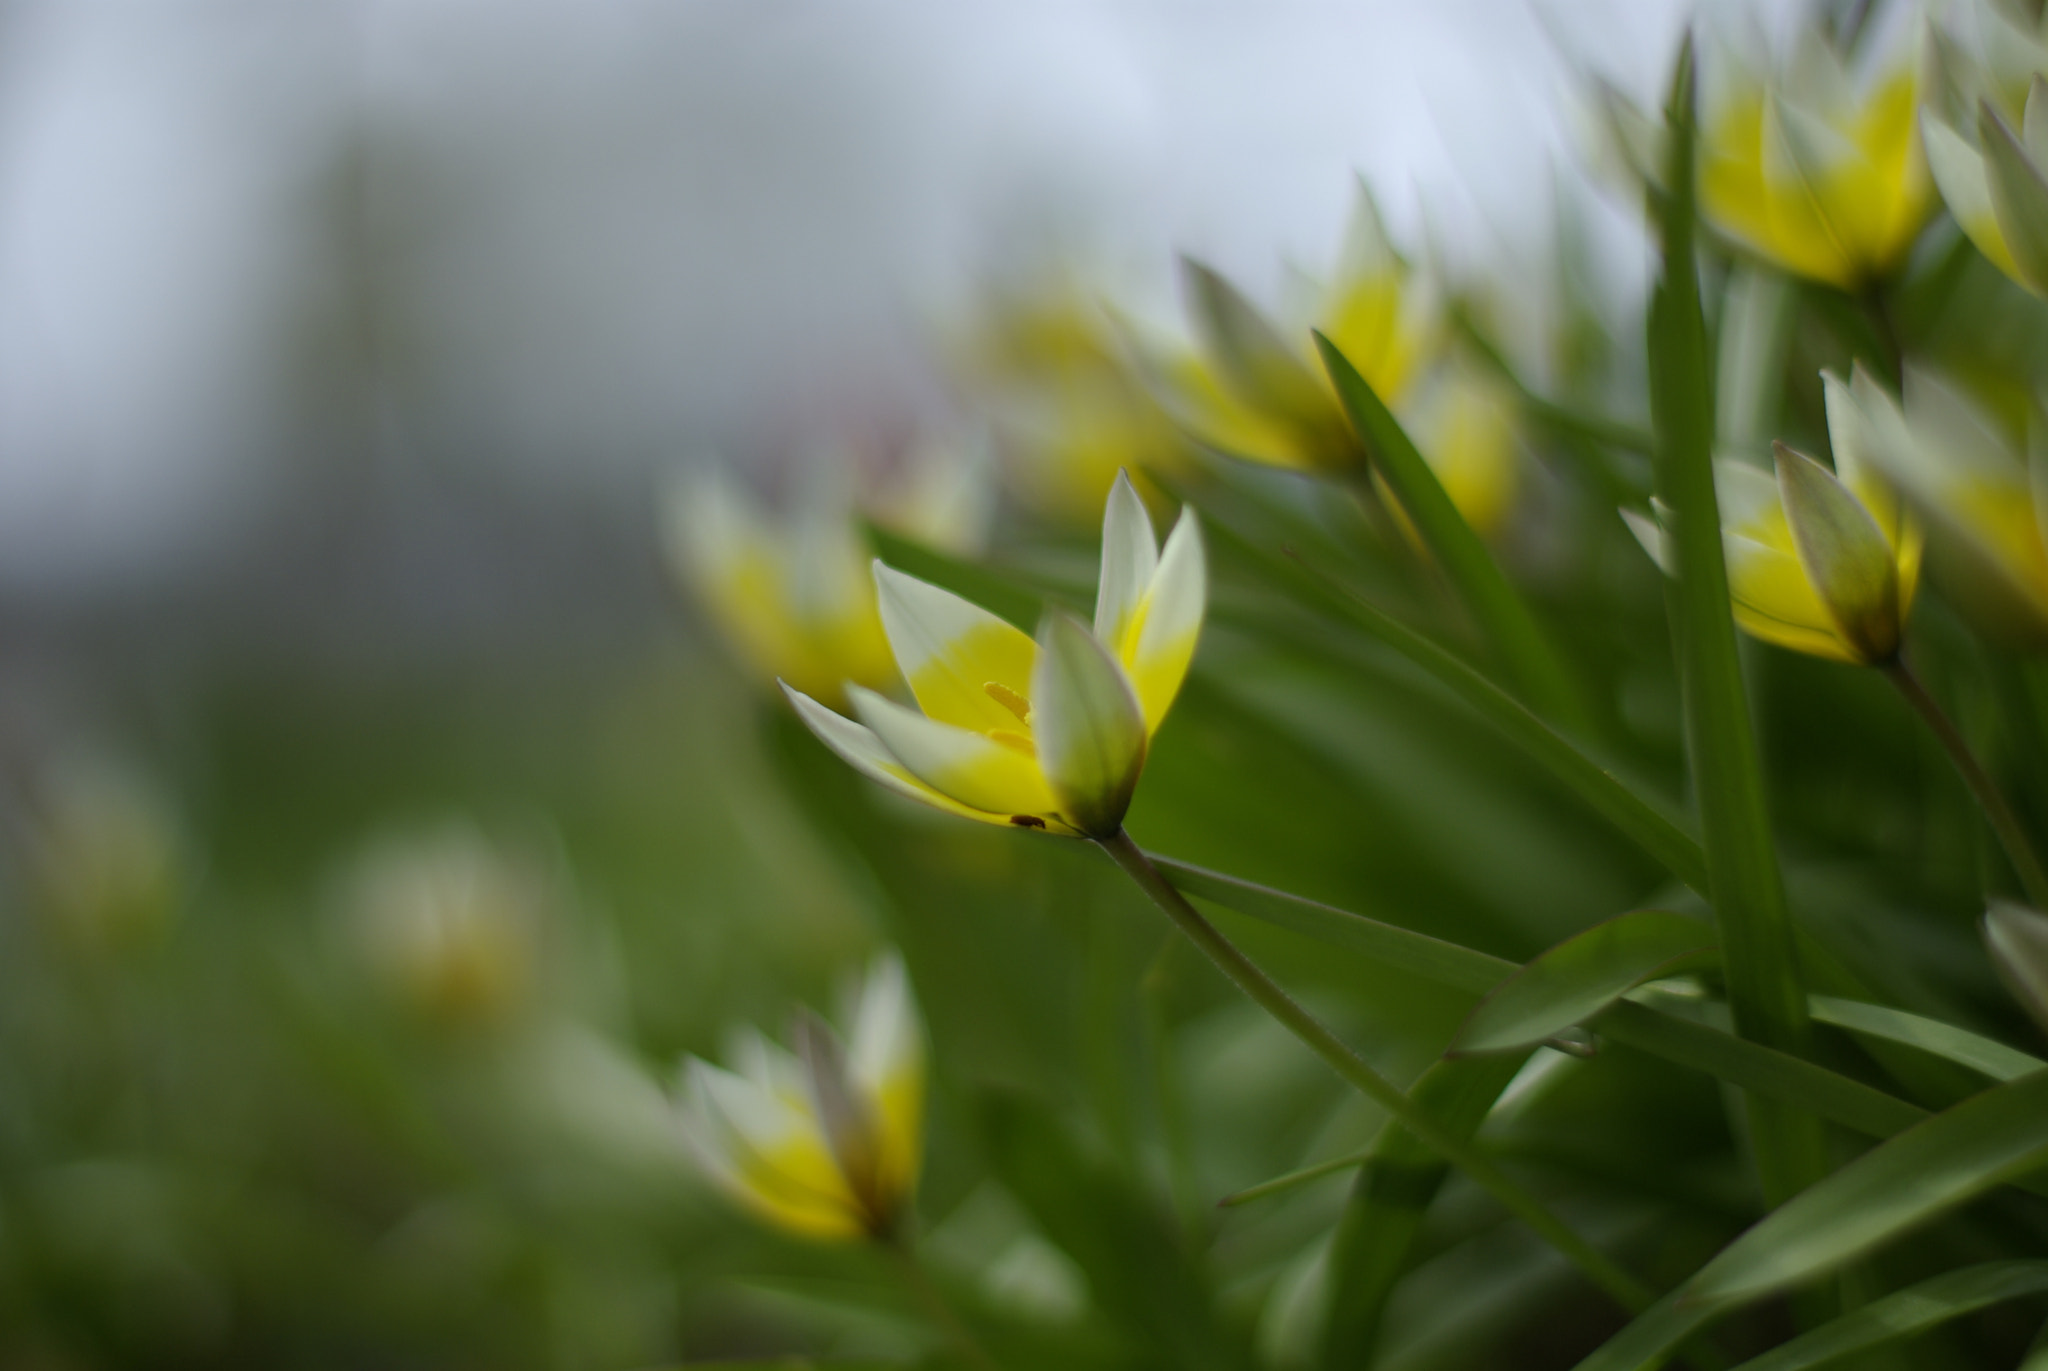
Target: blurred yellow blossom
1069,412
1999,195
1821,177
825,1141
793,597
1049,734
104,853
1983,494
449,922
1821,562
1250,392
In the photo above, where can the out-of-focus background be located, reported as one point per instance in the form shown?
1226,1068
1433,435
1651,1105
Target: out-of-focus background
381,822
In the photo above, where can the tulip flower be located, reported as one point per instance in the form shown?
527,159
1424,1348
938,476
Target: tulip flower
825,1141
1050,734
794,599
450,923
1824,180
1984,499
1821,562
1999,196
1251,393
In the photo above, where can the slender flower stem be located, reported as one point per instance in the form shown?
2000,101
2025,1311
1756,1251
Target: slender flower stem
2003,821
919,1282
1617,1283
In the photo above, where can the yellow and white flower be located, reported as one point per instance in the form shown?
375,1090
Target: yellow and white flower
1821,562
793,598
1983,495
1049,734
449,922
1999,195
824,1141
1251,393
1822,178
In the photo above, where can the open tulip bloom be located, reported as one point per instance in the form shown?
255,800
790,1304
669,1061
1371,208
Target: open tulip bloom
1819,177
1050,734
1821,562
824,1141
1999,195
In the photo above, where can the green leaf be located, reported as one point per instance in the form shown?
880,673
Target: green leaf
1506,620
1582,976
1994,1059
1373,1247
1765,1072
1907,1313
1764,989
1444,963
1138,1274
1930,1168
1642,821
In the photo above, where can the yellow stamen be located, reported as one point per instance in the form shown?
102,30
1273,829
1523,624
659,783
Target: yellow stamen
1016,742
1009,699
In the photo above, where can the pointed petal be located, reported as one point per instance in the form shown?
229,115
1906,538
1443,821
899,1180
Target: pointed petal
1844,554
1651,535
1801,157
1774,601
768,1155
972,768
2034,121
1253,358
863,751
1863,421
1959,173
2019,194
1130,554
949,649
1088,725
886,1058
1162,642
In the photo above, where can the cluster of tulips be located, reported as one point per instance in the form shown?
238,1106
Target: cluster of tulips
1837,182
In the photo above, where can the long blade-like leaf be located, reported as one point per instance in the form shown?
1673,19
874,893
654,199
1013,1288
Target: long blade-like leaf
1764,988
1994,1059
1906,1313
1921,1173
1509,625
1580,977
1375,1238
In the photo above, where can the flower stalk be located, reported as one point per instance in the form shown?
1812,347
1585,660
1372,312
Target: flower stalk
1623,1288
1997,812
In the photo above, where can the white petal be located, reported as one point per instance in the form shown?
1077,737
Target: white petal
1655,541
1959,174
1172,621
863,751
1747,494
970,767
1130,554
949,649
1090,730
887,1039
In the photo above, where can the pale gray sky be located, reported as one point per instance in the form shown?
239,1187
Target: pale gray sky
613,231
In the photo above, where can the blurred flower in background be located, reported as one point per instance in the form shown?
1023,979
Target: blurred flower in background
452,925
1979,482
826,1141
1815,168
1998,190
103,854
